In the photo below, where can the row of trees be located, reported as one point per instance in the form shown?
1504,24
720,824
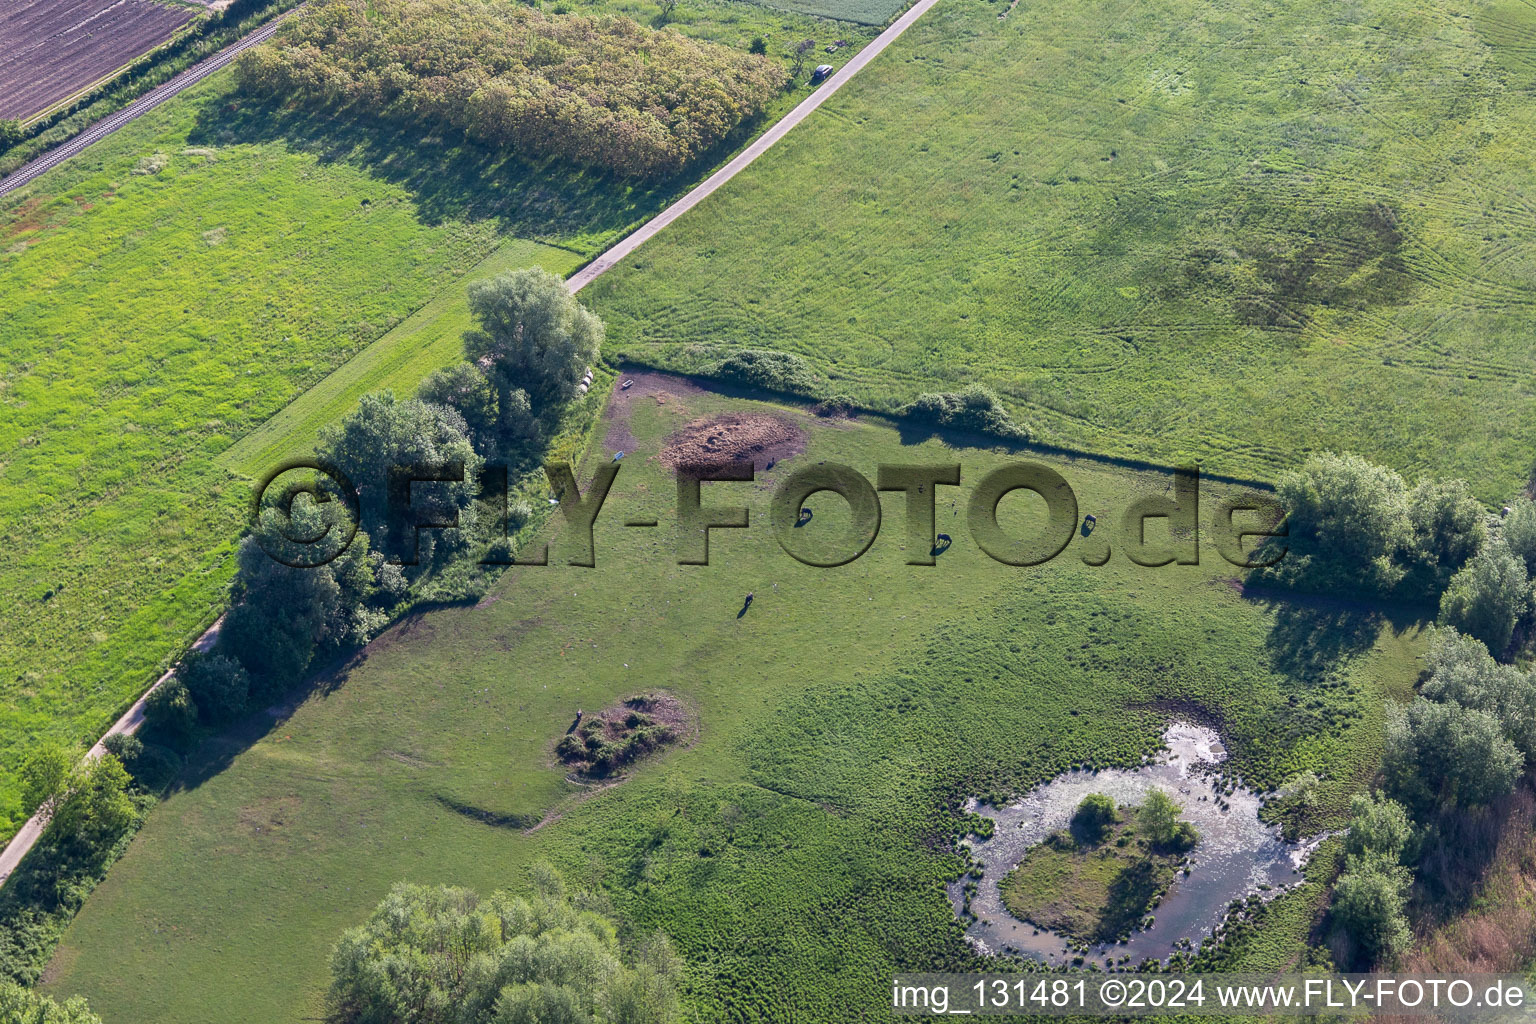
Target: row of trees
602,92
524,362
441,955
1461,746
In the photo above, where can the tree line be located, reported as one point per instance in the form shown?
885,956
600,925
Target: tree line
601,92
1469,736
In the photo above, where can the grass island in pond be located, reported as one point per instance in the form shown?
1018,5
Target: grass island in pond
1099,879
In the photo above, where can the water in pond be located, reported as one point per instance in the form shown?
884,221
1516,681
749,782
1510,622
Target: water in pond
1237,854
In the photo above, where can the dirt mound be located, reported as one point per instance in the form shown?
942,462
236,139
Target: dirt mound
732,437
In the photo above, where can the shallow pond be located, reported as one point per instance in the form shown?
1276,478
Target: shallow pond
1237,855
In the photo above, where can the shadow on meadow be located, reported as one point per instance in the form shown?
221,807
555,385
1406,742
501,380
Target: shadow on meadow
1314,636
452,179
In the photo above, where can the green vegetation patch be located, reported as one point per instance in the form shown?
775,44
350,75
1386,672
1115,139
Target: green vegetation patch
150,321
614,738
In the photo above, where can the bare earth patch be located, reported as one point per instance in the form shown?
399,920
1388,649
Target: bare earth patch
714,441
602,744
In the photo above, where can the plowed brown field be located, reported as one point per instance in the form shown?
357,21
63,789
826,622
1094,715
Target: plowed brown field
53,48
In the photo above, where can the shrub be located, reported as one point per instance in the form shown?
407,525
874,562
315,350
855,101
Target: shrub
170,713
385,434
126,747
602,92
771,371
1158,819
1353,510
1488,596
1461,671
975,409
759,45
1519,531
155,767
23,1006
1093,817
219,685
435,955
1446,526
1368,904
837,405
1379,834
465,389
533,341
1446,754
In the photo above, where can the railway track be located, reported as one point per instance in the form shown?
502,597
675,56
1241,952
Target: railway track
141,106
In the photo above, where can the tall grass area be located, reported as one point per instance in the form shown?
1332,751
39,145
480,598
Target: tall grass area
174,288
1175,230
795,849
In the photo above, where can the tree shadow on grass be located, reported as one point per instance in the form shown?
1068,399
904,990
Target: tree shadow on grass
1313,636
450,178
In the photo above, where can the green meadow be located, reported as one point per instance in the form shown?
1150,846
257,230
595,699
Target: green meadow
796,847
1226,231
166,297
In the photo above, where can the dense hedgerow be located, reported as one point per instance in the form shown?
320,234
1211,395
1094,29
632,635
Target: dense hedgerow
602,91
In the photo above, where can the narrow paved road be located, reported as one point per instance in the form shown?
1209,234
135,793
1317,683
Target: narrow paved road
21,843
134,717
143,105
600,266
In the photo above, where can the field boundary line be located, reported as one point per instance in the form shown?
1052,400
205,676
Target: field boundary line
143,105
835,81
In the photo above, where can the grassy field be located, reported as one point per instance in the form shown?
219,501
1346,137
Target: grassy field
796,848
169,292
1177,230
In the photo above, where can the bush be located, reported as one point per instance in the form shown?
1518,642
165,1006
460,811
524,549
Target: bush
771,371
1519,531
385,434
533,341
154,767
1448,755
1093,818
1461,671
465,389
1379,834
1354,511
759,45
436,955
1369,906
974,409
1488,597
126,747
23,1006
837,405
1158,819
219,686
602,92
170,713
